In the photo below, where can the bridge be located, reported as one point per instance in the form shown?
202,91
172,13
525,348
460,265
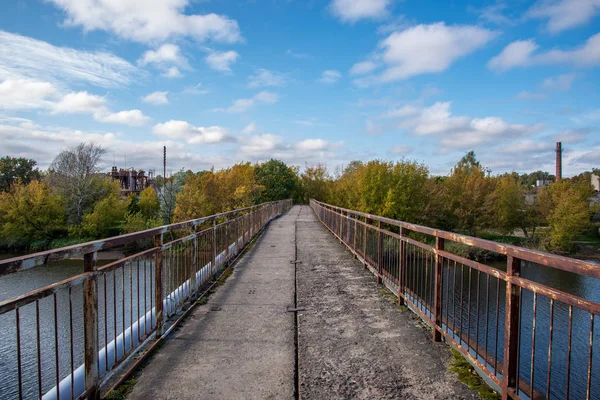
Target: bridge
282,301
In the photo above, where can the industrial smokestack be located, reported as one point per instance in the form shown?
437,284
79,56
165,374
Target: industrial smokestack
558,161
164,165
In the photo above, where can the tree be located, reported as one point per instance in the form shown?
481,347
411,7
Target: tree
13,170
513,208
167,192
148,203
566,207
280,182
315,183
30,212
75,174
210,192
468,193
107,217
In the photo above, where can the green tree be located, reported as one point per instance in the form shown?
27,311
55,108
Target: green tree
513,207
106,218
315,183
280,182
13,170
148,203
468,191
567,209
30,212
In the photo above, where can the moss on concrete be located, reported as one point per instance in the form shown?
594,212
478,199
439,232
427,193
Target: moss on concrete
467,375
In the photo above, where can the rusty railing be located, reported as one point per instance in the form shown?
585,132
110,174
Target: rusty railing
62,340
526,322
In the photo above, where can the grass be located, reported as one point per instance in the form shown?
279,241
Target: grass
467,375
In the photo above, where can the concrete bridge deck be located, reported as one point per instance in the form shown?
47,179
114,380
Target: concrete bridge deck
352,341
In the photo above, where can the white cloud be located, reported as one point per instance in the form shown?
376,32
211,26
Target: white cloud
80,103
260,146
221,61
363,67
172,72
494,14
86,103
156,98
148,20
317,145
558,83
250,128
196,89
400,149
523,53
563,15
354,10
192,134
167,53
264,77
22,57
429,48
21,137
330,76
26,94
265,146
241,105
130,117
457,132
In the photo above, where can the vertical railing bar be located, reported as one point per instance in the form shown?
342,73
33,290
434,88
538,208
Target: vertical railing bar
145,305
71,346
487,312
19,369
90,321
570,334
590,358
105,327
496,331
550,348
137,293
469,308
56,359
532,373
438,285
511,328
158,282
115,314
39,347
477,313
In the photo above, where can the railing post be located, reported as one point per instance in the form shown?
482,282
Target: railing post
365,242
194,262
401,268
158,284
437,305
226,240
213,247
379,253
511,328
90,327
355,234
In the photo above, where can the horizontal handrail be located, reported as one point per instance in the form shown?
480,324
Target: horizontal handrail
536,256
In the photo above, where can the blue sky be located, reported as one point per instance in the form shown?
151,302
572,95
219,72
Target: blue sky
223,81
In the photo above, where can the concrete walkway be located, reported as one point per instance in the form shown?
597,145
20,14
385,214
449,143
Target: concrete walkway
353,342
240,345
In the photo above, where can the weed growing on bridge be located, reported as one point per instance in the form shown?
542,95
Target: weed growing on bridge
467,375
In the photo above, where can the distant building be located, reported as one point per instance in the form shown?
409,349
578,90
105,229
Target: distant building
542,182
132,180
596,182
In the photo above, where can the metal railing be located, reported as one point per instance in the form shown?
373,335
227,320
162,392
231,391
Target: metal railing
524,323
65,338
